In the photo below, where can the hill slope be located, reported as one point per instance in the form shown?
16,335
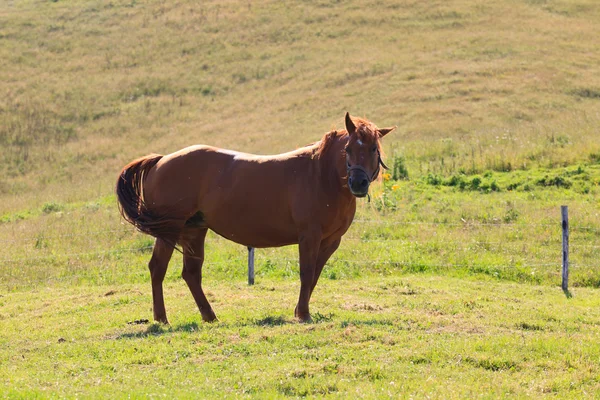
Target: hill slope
87,85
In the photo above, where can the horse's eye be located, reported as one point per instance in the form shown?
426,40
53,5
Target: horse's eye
374,149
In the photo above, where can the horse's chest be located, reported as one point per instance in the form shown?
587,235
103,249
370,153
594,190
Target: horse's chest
337,218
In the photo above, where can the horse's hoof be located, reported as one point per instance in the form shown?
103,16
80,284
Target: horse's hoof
303,317
211,317
162,320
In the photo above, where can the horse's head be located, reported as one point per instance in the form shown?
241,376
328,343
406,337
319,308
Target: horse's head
363,154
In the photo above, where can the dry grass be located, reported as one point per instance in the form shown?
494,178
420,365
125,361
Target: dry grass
89,85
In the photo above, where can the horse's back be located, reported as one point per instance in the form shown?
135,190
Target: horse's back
206,167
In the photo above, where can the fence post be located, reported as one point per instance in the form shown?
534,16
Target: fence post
565,247
250,265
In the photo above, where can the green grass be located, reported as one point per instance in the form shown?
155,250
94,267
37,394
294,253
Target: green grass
504,225
409,336
457,225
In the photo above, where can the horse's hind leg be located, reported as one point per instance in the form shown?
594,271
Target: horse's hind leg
193,258
158,268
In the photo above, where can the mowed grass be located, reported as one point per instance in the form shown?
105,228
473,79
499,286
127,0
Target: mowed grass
398,336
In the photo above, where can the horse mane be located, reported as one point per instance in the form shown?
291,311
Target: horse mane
325,143
366,130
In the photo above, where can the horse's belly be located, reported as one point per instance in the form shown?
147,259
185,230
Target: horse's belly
257,236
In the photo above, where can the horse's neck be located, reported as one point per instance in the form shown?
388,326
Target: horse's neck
333,169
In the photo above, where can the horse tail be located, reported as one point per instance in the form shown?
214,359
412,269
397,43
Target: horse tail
130,195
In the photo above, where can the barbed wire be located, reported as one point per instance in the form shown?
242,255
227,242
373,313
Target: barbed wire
344,239
498,224
13,282
333,260
77,255
67,235
219,238
585,246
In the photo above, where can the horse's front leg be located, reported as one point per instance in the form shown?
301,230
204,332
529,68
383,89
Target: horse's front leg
308,246
326,249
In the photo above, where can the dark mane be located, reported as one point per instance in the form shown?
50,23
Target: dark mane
325,143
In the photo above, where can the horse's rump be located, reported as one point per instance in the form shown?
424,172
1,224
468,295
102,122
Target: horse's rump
130,195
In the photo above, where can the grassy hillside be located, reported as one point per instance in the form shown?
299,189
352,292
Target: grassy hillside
496,104
88,85
497,107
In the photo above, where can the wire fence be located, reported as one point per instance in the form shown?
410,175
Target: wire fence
519,251
89,236
127,230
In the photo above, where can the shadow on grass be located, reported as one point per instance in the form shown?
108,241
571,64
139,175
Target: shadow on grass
269,321
157,329
316,318
368,322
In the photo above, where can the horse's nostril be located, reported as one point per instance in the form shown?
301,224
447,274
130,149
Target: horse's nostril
364,183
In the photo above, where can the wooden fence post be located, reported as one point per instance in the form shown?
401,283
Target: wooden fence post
250,265
565,247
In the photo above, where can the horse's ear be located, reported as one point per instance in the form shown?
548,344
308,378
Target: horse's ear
350,127
385,131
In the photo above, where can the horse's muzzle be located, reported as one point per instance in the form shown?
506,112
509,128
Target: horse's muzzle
358,182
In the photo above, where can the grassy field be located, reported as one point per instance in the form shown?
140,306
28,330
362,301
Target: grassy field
446,284
424,225
401,337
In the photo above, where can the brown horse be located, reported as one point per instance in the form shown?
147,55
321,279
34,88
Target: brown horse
305,197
